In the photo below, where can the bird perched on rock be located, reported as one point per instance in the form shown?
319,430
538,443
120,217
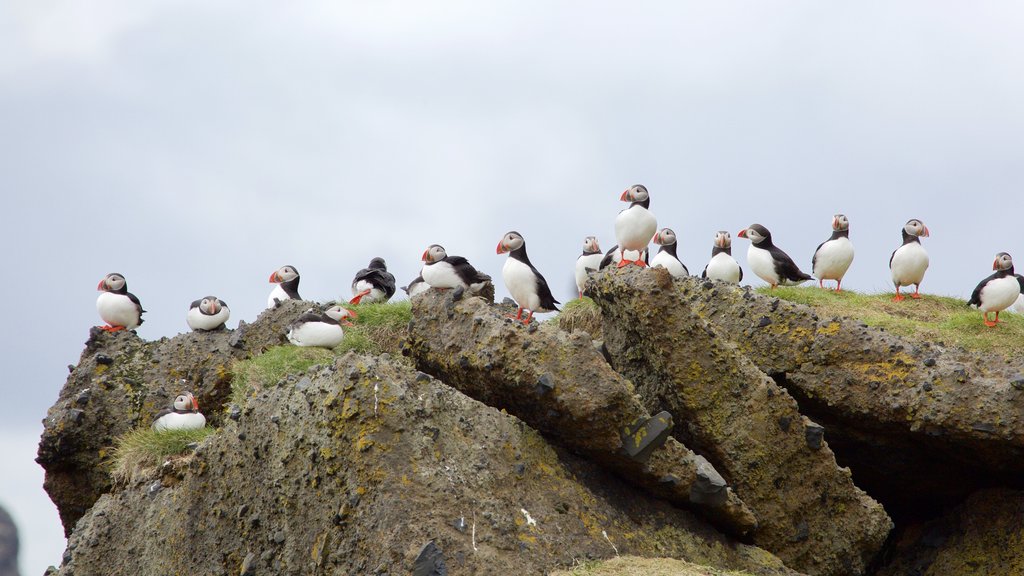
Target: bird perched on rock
118,307
587,262
832,257
768,261
320,330
722,265
526,285
635,225
909,262
666,256
443,271
183,415
416,287
287,279
209,313
999,291
373,283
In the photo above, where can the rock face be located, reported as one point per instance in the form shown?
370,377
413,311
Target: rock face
8,545
810,513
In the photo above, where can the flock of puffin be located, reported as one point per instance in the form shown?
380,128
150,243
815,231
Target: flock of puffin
635,228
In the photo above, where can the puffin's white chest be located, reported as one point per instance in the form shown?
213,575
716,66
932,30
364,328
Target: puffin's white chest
521,283
833,259
199,321
319,334
762,264
441,275
592,261
277,293
909,263
670,263
178,421
999,294
117,310
634,227
723,267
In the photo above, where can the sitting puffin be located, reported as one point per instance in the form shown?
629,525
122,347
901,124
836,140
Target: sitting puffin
373,283
443,271
722,265
416,287
287,279
999,291
118,307
183,415
909,262
209,313
587,262
321,330
635,225
768,261
666,256
526,285
832,258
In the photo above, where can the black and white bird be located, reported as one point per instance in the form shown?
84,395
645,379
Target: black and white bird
635,225
768,261
373,283
320,330
722,265
443,271
587,262
666,256
416,287
209,313
118,307
909,262
287,279
999,291
182,415
526,285
832,258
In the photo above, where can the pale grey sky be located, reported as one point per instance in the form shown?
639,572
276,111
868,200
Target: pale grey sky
196,147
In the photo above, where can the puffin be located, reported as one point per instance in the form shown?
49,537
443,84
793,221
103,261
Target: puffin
588,262
526,285
722,265
209,313
635,225
999,291
416,287
666,256
183,415
909,262
443,271
768,261
832,257
287,279
322,330
118,307
373,283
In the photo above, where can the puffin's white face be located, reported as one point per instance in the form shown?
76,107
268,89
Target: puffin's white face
209,305
338,312
284,274
840,223
1003,262
916,228
754,233
185,402
510,241
435,253
723,239
665,237
590,244
635,193
112,282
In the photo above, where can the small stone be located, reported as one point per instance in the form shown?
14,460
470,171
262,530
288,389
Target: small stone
1018,383
76,415
463,362
429,562
803,531
83,397
421,377
775,305
646,435
784,423
279,537
929,362
520,469
544,385
460,524
104,359
154,488
234,412
927,387
266,556
764,321
531,328
984,427
710,487
814,433
237,340
303,383
248,565
275,419
242,436
242,511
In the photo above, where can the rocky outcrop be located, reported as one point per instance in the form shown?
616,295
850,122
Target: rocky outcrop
809,511
562,386
8,545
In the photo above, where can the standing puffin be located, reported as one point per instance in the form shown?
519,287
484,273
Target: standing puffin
118,307
183,415
589,261
722,265
322,330
373,283
999,291
443,271
287,279
909,262
416,287
832,257
768,261
635,225
666,256
209,313
526,285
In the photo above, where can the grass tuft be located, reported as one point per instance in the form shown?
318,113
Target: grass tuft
139,453
580,314
936,318
253,374
380,327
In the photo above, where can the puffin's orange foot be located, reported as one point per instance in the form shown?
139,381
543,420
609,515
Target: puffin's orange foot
990,323
622,263
111,328
898,297
915,296
640,263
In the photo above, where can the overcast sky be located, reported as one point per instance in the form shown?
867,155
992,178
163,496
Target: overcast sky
195,147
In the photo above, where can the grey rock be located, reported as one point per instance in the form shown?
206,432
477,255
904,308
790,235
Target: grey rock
429,562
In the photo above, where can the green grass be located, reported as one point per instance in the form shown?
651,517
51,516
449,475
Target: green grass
266,369
936,318
379,328
636,566
138,452
580,314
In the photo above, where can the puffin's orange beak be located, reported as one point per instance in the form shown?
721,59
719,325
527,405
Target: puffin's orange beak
625,196
275,278
426,254
100,285
501,247
215,306
657,238
995,264
195,404
352,313
835,223
742,233
925,232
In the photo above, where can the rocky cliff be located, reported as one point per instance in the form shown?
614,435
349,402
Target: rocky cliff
705,423
8,545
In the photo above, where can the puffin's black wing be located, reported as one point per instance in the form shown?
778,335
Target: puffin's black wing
162,413
704,274
607,260
741,274
194,304
138,304
976,295
466,271
547,300
310,317
378,278
785,267
1020,280
223,304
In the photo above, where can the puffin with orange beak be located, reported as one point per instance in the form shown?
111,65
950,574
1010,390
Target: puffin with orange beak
118,307
832,258
209,313
587,262
999,291
635,225
722,265
320,330
526,285
287,279
182,415
909,262
666,256
768,261
443,271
